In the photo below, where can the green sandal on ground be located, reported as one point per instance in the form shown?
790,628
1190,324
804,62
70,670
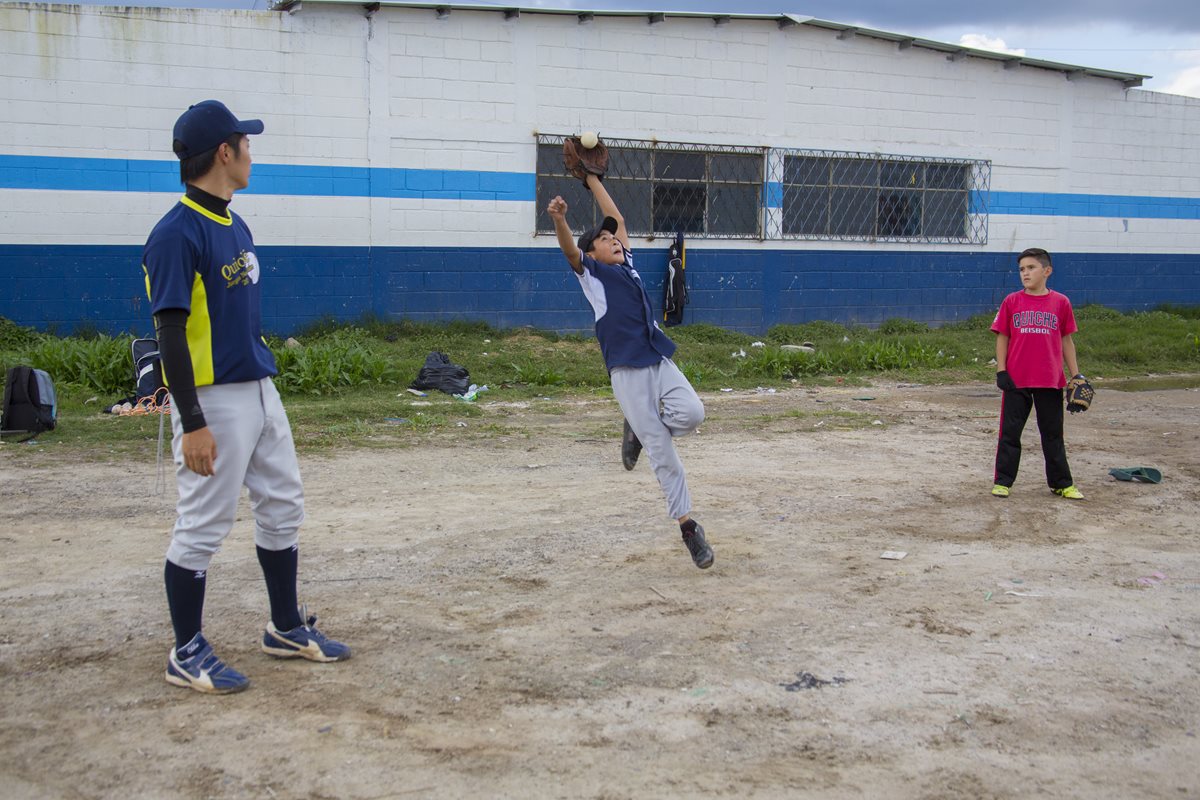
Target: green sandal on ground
1140,474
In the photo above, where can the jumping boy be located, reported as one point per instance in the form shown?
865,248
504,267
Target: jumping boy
1034,330
229,427
656,398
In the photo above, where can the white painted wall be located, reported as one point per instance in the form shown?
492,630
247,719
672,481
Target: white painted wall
402,88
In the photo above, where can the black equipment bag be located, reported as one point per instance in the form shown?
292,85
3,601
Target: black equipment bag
147,368
30,403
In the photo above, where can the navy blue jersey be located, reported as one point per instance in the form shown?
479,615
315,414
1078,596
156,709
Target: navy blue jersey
626,328
205,264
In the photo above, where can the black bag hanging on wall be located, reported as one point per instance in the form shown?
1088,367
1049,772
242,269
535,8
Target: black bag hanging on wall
30,403
675,294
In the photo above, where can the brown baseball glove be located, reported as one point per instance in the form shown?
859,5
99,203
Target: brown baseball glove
1079,394
582,161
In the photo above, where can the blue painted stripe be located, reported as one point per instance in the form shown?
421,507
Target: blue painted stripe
132,175
773,194
1046,204
88,174
1041,204
136,175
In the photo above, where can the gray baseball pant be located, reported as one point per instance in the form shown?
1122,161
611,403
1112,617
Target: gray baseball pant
659,403
255,450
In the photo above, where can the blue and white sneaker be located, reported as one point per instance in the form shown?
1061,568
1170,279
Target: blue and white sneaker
200,669
304,641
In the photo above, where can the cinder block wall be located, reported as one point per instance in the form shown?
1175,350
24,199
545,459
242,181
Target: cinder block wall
396,173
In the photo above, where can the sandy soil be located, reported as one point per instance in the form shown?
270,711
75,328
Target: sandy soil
527,624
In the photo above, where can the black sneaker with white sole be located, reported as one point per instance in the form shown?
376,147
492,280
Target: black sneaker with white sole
631,448
702,554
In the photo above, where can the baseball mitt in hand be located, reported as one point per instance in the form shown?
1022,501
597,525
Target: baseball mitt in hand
1079,394
582,161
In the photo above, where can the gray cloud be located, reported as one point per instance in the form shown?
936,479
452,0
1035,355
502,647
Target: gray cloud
1178,16
1150,16
1158,15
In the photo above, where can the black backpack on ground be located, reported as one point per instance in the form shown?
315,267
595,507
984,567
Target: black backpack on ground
30,403
147,369
438,373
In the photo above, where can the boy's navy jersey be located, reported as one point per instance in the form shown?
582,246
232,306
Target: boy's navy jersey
205,264
626,328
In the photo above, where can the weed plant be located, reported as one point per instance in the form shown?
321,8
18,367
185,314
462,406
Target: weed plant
1095,313
100,364
818,332
535,374
14,336
707,334
333,362
1187,312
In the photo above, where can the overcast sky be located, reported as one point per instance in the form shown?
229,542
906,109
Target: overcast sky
1152,37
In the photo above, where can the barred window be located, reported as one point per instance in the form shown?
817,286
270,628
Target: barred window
662,188
868,197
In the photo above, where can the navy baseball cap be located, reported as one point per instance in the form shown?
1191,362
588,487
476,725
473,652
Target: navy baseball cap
585,241
205,125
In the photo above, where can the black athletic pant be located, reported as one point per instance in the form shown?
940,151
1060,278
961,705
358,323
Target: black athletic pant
1014,412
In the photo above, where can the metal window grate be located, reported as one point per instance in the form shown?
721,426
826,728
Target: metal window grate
842,196
662,188
739,192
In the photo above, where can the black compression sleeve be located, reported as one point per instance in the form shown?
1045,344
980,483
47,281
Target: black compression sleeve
177,366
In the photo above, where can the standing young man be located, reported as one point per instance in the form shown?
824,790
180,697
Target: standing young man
656,398
229,426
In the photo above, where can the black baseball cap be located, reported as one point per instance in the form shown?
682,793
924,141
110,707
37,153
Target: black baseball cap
205,125
585,241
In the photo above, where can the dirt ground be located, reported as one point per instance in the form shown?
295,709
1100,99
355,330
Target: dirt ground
526,622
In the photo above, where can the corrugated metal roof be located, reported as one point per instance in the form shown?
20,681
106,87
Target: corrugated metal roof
844,31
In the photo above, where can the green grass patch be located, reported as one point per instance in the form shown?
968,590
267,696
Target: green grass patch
377,413
344,384
84,431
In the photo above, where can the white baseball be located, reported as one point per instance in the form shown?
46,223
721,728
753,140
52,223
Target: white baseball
589,140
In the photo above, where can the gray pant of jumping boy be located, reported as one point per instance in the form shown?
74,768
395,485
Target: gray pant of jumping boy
255,450
659,403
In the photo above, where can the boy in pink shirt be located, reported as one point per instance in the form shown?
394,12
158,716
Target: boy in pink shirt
1034,330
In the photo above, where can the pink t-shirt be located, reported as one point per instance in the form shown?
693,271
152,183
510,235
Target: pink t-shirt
1035,326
